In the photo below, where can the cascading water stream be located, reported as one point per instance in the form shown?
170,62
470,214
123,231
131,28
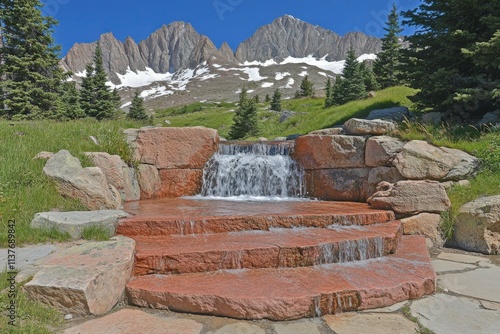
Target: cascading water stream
257,170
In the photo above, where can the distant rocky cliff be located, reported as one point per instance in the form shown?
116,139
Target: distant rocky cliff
178,46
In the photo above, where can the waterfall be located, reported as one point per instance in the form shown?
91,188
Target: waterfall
263,169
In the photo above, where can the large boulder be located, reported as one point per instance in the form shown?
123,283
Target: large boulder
427,224
477,227
175,148
85,279
348,184
149,181
76,221
362,127
398,114
322,152
89,185
381,150
380,174
410,197
419,160
180,182
118,174
328,132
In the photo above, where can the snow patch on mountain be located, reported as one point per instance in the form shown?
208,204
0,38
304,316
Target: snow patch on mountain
156,92
267,84
281,75
252,72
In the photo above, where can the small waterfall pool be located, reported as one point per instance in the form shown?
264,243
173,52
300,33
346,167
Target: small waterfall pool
253,171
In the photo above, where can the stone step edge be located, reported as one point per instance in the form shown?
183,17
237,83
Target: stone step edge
177,226
242,250
293,293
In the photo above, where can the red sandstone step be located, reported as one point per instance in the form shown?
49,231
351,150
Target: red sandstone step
178,254
292,293
186,216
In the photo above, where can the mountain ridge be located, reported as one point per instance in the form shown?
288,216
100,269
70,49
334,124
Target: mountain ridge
178,46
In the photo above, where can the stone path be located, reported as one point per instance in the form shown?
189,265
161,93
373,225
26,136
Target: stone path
467,301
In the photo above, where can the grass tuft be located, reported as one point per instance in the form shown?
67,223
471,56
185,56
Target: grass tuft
96,232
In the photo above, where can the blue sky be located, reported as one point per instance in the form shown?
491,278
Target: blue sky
230,21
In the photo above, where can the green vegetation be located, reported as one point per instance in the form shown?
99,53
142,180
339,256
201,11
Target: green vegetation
245,119
30,75
137,110
421,328
306,88
276,102
351,86
24,190
387,65
453,58
32,317
95,232
97,99
484,145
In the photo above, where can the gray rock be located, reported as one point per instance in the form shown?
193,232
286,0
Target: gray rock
398,114
410,197
419,160
449,314
442,266
118,174
427,224
85,279
361,127
477,227
240,327
381,150
44,155
302,327
380,174
286,114
86,184
490,119
227,53
76,221
277,139
328,132
379,323
26,256
288,36
432,118
463,258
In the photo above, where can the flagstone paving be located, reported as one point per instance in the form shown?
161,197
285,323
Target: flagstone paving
467,301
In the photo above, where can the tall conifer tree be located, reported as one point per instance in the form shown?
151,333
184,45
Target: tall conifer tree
387,64
97,99
30,76
352,84
245,118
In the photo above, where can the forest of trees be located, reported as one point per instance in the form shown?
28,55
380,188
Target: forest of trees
451,59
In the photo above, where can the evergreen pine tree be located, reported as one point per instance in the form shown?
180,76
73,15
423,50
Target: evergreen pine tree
306,87
276,101
30,76
268,98
97,99
70,99
369,78
387,64
245,118
442,63
256,98
329,93
137,110
352,84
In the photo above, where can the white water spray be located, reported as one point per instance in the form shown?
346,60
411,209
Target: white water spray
263,169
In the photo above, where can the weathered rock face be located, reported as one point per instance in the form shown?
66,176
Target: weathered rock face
398,114
328,132
75,222
424,224
86,184
118,174
321,152
172,159
381,150
288,36
362,127
410,197
149,181
338,184
176,148
86,279
380,174
419,160
477,227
